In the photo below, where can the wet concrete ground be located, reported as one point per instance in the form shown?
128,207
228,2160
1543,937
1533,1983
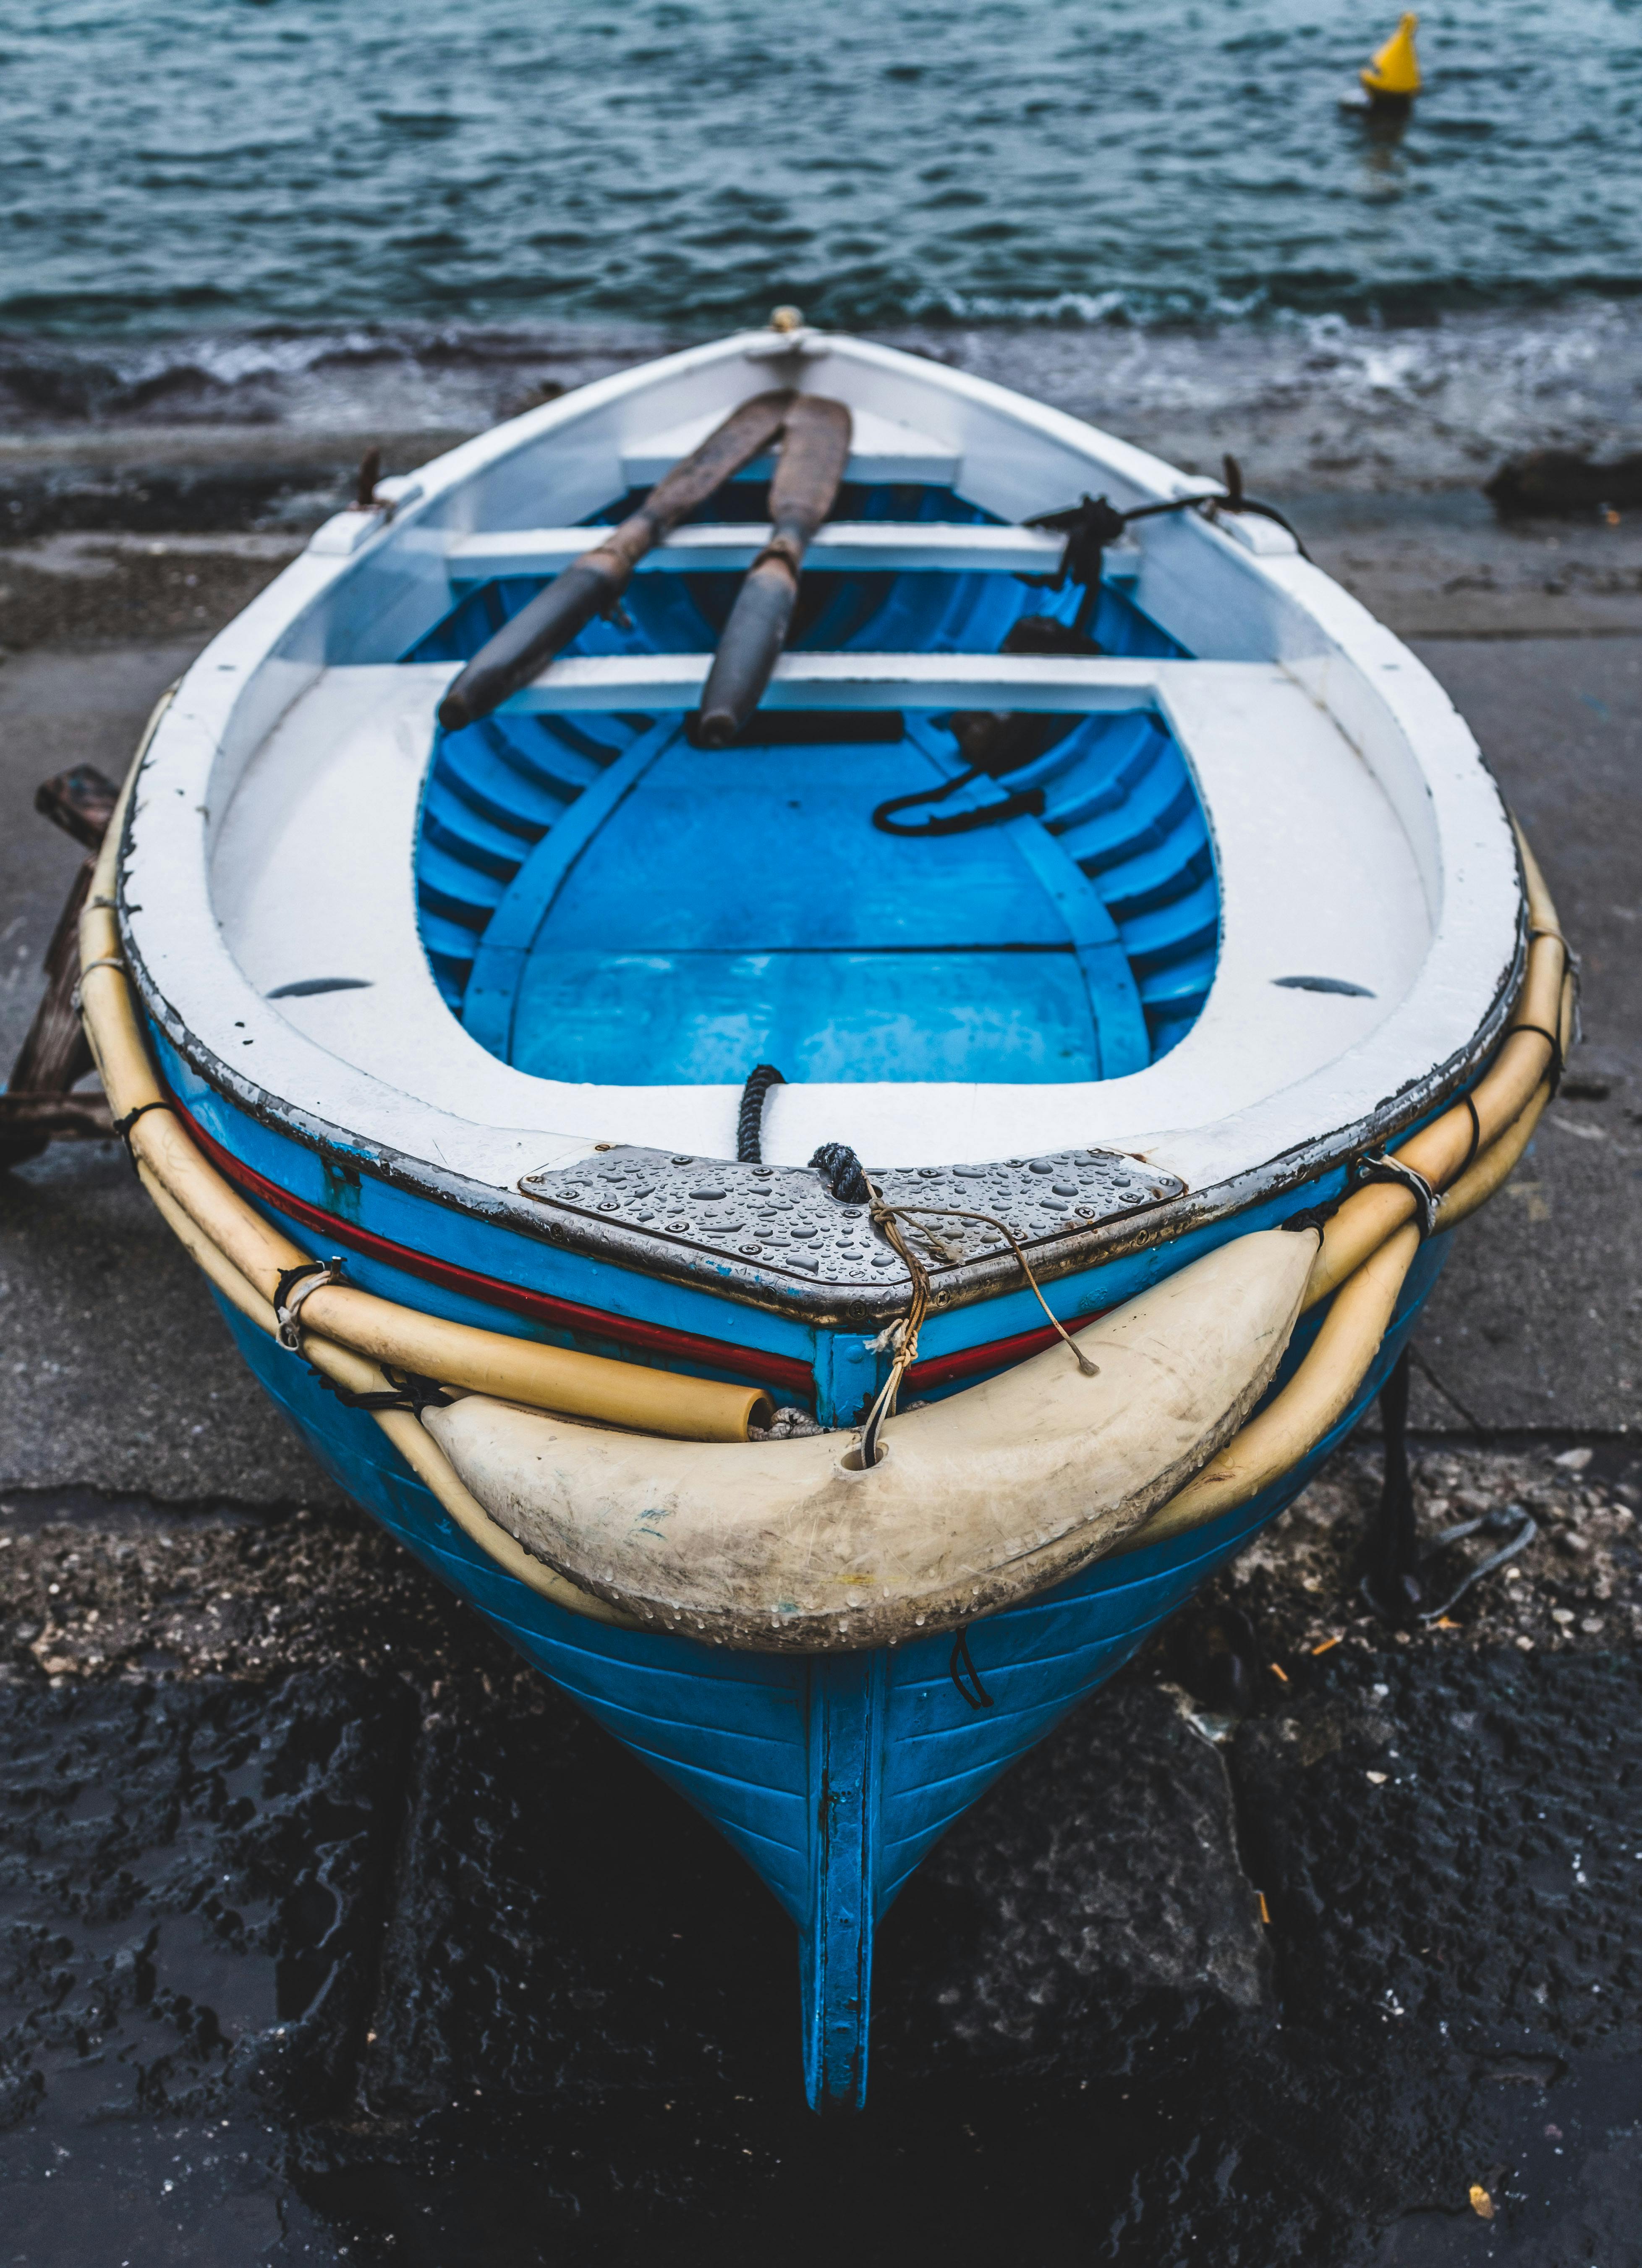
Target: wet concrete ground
329,1935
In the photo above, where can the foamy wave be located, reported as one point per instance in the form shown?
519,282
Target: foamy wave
1312,400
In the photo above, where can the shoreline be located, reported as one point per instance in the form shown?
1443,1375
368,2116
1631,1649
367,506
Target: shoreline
1310,403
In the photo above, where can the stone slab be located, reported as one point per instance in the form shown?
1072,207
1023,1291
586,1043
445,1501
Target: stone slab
115,1370
1536,1322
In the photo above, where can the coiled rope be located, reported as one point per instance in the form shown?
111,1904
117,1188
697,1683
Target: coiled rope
749,1123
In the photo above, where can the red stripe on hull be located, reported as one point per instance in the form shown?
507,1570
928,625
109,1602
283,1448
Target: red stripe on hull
998,1354
538,1307
568,1315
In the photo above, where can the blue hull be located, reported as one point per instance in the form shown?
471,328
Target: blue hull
832,1776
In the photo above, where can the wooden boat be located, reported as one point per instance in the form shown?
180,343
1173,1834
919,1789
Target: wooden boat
475,879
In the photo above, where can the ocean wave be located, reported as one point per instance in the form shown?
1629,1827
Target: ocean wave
682,169
1317,400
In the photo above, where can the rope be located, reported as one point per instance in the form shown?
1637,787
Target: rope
1553,1040
1094,522
292,1287
1376,1166
961,1663
410,1392
1519,1542
1020,803
843,1173
750,1124
848,1181
1088,526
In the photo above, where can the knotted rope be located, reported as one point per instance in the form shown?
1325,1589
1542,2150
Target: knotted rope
850,1181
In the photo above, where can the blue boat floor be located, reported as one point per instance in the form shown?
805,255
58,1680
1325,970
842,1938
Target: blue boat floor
740,907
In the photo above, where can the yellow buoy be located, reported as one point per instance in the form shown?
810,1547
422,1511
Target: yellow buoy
1394,74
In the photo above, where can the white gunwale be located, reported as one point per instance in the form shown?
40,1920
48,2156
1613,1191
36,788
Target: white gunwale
1320,681
851,547
879,681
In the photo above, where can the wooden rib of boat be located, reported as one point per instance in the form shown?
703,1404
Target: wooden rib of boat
1197,895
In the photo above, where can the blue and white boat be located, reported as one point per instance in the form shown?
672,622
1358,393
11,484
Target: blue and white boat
485,1063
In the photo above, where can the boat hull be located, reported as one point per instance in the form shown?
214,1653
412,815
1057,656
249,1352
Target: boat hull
832,1776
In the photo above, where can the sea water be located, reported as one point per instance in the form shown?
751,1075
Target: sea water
295,210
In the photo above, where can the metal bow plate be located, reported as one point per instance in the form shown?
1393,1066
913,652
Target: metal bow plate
783,1219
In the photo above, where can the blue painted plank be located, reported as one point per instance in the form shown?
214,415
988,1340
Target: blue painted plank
450,886
498,790
1154,805
752,850
847,1734
1183,859
1114,756
454,826
1181,984
1185,925
1123,1044
664,1018
487,1010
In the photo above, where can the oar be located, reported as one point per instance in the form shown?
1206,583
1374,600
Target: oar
815,451
592,583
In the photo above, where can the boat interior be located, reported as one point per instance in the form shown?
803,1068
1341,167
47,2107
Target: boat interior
1201,876
739,906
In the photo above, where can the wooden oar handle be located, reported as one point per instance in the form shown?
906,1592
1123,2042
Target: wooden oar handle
592,584
814,454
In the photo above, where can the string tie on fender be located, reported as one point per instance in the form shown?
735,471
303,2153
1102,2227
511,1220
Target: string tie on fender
1377,1167
407,1391
123,1126
1575,967
77,1000
1476,1136
295,1284
1554,1042
1313,1216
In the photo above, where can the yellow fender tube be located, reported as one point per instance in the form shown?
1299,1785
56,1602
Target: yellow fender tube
1369,1244
420,1453
1310,1405
1442,1150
